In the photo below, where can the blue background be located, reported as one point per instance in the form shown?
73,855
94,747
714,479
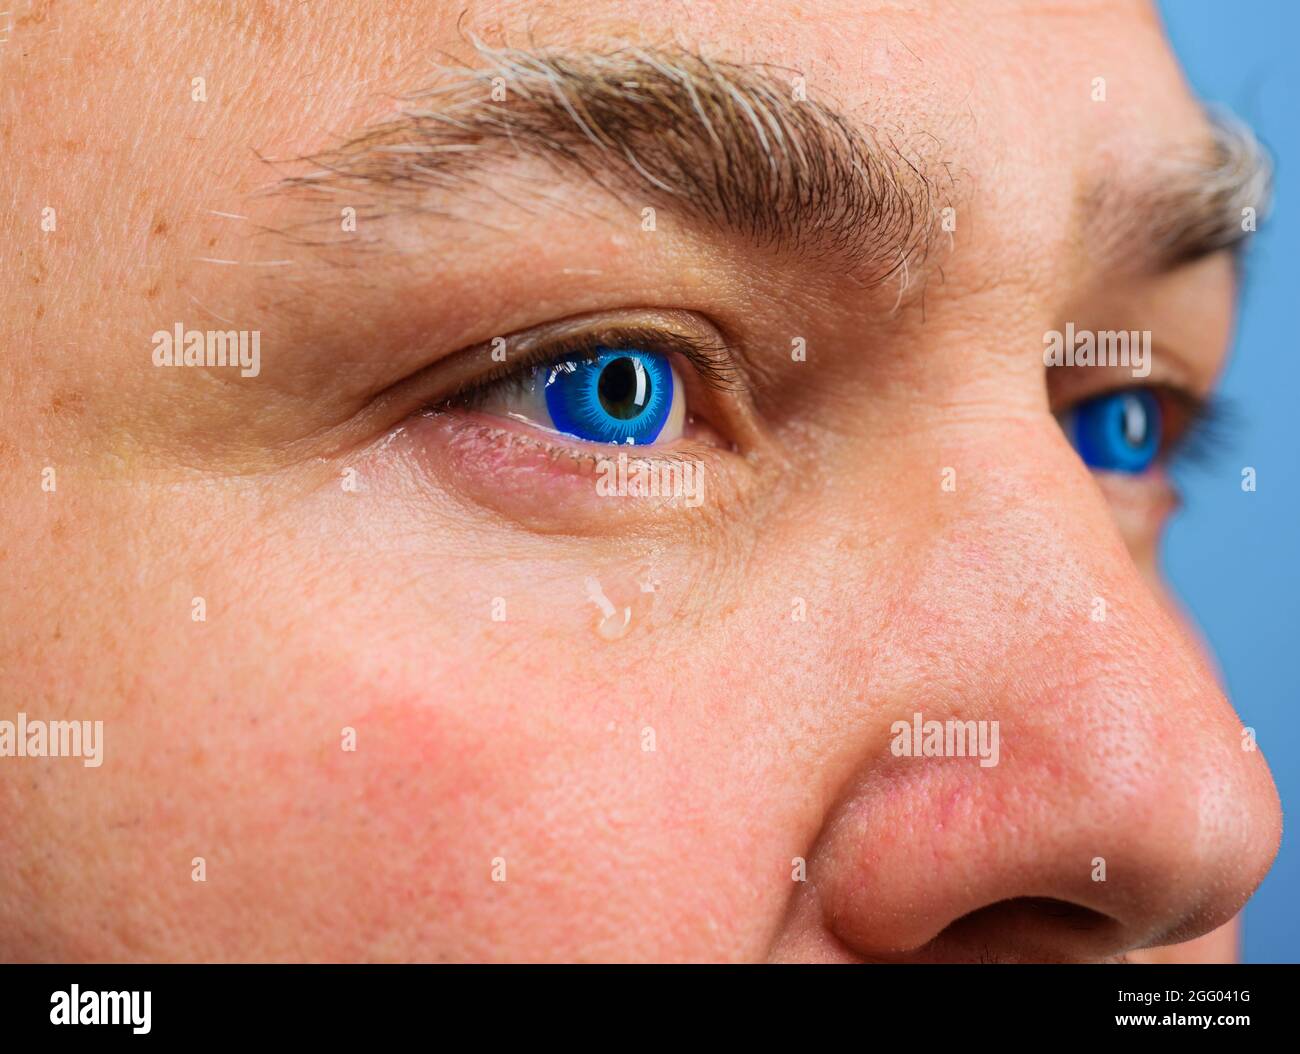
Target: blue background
1232,556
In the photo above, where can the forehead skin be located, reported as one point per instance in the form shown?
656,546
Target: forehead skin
522,741
992,98
1001,105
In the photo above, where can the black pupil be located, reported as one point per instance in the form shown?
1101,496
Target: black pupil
618,388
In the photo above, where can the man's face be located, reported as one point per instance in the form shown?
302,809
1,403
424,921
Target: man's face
379,638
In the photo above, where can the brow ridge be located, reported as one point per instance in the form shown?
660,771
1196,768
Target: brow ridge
731,146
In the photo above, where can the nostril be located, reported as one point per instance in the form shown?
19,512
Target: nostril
1075,916
1031,929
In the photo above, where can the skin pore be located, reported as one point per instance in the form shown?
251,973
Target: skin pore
378,554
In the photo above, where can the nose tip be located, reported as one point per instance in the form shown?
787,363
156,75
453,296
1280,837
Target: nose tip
1104,827
1121,812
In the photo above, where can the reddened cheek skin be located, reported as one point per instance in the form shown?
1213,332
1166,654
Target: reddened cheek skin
479,819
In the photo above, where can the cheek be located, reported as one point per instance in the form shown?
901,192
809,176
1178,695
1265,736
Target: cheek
482,751
419,793
485,816
610,777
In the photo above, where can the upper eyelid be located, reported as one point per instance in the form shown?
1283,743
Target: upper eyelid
1193,405
713,361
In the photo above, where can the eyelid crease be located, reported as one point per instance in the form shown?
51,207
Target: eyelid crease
712,360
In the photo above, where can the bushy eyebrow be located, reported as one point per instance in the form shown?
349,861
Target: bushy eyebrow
732,147
1188,203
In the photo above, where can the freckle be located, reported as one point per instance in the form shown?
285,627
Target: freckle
212,242
73,146
40,312
67,404
160,226
36,279
152,291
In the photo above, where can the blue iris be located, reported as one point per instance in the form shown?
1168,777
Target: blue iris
1117,432
618,396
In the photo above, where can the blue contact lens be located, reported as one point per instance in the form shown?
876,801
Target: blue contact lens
1117,432
619,396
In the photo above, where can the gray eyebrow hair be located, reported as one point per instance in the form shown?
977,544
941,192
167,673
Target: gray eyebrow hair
730,146
1192,204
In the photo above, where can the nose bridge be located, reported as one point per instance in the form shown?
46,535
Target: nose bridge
1015,551
1019,616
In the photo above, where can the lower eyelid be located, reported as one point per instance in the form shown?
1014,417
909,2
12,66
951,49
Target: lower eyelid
545,483
1140,503
696,433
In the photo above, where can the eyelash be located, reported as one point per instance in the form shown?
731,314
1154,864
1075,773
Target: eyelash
711,361
1210,423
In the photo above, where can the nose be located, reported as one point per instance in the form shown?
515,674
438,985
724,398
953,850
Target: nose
1106,798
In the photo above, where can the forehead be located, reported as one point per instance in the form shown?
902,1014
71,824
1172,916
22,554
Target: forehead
1024,106
291,71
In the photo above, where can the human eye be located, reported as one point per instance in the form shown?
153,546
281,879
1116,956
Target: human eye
613,385
1118,431
532,426
1133,429
622,394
